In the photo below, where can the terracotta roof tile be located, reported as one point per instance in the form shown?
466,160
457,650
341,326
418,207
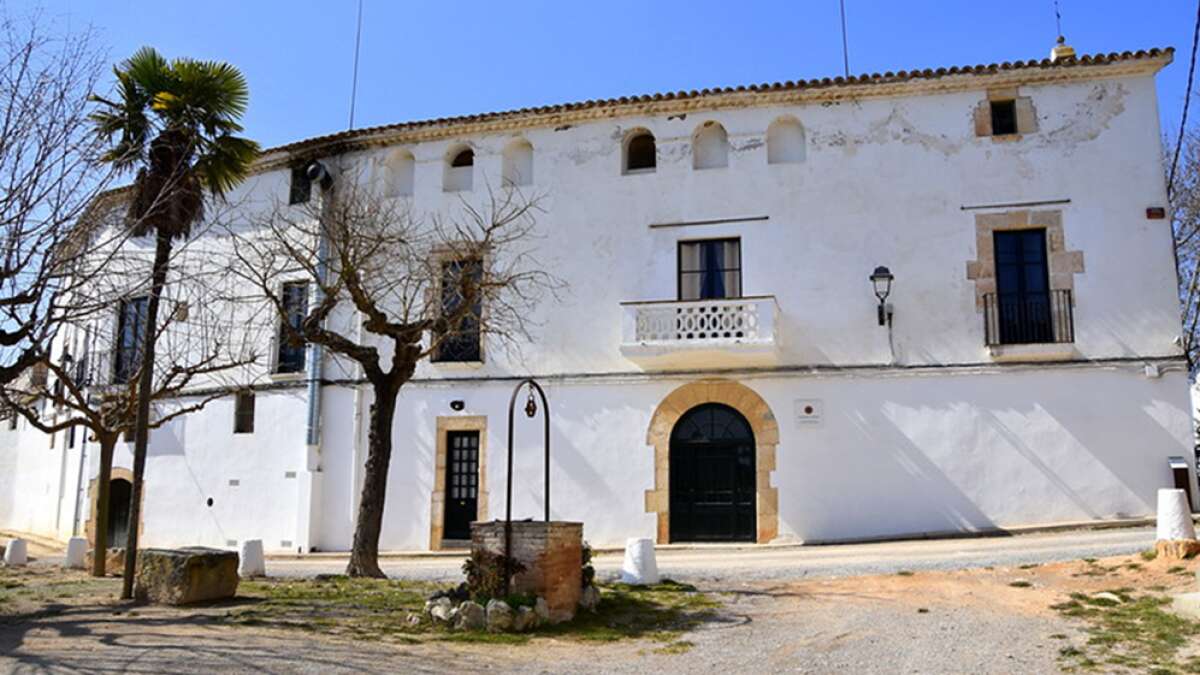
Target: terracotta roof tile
872,78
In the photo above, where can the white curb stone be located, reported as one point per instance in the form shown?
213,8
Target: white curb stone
640,567
76,553
252,563
16,553
1174,516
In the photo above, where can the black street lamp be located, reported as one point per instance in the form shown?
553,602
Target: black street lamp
882,279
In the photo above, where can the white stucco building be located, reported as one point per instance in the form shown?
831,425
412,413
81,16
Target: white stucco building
716,366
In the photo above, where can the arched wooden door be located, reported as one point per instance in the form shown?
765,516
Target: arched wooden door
712,488
120,494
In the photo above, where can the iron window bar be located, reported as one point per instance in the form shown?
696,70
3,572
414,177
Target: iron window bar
1029,318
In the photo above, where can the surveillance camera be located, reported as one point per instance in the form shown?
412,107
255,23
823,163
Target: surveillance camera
317,173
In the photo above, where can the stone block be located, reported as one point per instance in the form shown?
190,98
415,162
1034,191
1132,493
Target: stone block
1177,549
640,565
252,562
471,616
76,553
1174,516
552,554
16,554
114,561
499,616
1186,605
186,575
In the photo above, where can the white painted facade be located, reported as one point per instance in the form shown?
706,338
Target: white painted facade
928,432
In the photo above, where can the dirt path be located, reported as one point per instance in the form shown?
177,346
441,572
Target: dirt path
981,606
982,621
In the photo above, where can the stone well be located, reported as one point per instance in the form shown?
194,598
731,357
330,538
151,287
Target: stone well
552,554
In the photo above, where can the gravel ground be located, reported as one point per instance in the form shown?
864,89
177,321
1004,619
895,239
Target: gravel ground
788,609
780,563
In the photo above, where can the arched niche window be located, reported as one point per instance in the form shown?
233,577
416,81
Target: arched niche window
785,141
517,166
460,167
399,168
640,152
710,147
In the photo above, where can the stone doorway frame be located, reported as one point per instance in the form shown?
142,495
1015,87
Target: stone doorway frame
437,510
89,526
766,437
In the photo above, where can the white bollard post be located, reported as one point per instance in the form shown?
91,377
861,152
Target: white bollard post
76,553
1174,516
16,553
640,567
252,562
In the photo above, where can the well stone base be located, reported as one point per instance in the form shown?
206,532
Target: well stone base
552,554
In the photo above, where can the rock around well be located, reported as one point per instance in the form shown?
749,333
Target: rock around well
186,575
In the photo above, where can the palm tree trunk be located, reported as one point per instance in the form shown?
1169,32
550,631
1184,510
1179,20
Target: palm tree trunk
100,519
141,430
364,554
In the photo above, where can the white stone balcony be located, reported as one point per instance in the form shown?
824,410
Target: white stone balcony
723,333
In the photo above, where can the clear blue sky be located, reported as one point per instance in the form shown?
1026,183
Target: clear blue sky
435,59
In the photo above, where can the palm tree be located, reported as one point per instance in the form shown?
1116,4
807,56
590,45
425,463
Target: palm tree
176,124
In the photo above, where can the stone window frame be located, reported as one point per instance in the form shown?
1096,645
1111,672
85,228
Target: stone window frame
1062,264
1025,112
766,438
437,510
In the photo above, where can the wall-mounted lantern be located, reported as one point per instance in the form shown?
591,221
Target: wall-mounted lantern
882,279
457,405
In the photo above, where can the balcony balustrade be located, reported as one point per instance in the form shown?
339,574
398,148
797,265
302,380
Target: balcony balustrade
701,333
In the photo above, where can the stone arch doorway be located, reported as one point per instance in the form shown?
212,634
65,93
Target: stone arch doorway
120,496
712,476
763,429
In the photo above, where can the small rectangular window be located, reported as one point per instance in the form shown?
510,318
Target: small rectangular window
131,330
291,353
71,437
243,413
710,269
460,284
1004,118
301,187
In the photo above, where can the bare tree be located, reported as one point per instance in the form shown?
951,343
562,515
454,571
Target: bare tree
91,372
390,289
48,178
1184,189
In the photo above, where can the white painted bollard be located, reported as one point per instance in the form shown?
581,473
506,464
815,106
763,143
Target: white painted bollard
76,553
640,567
16,553
252,563
1174,516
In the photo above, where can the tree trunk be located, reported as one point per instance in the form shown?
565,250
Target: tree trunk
364,555
100,517
141,430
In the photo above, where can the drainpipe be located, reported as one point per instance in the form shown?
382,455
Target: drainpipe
311,491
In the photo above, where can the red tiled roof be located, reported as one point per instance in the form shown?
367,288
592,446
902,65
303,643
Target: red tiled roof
816,83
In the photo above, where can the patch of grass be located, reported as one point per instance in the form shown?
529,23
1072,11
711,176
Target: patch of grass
1058,636
1020,583
905,573
1149,554
676,647
375,609
1028,566
1090,561
660,612
1135,633
1178,569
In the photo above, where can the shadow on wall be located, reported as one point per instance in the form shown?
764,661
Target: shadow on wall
919,459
